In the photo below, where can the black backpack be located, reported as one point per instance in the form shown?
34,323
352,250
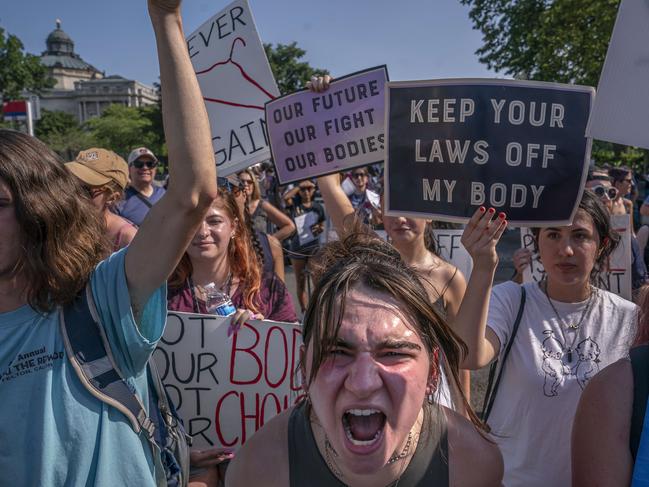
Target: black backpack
89,353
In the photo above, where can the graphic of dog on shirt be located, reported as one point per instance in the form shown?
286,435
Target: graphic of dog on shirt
557,367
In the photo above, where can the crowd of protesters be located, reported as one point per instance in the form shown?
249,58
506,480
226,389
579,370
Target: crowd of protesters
390,329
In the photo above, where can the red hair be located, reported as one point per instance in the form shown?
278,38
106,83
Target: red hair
242,257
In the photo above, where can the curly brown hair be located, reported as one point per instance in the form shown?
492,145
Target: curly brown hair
241,256
62,235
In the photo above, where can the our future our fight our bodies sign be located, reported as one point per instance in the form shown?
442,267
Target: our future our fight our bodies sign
456,145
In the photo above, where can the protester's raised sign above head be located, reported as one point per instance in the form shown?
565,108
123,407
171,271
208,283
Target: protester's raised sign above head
456,145
226,388
312,134
236,81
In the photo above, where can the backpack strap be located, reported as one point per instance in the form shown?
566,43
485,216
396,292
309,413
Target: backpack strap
640,366
494,380
89,353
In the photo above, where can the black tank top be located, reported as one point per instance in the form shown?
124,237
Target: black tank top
428,466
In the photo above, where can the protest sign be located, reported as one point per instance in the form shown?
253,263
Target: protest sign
236,81
312,134
616,277
621,110
450,248
303,224
226,388
456,145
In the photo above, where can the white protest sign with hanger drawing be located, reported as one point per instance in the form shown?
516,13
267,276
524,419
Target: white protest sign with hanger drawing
616,277
236,81
226,388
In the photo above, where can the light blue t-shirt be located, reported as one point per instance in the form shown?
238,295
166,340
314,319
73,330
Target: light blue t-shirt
53,432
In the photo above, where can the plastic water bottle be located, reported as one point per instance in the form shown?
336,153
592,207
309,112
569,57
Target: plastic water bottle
218,302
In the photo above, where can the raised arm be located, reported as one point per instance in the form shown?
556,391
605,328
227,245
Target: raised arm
172,222
336,201
480,237
285,226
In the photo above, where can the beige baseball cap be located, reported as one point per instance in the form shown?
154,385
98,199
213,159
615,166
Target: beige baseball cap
97,167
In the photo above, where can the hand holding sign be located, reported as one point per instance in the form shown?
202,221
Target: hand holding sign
164,5
481,235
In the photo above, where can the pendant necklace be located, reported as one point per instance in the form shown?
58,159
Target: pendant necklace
570,326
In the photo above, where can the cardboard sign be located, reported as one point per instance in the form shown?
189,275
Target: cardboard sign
312,134
451,249
616,278
621,110
456,145
236,81
224,388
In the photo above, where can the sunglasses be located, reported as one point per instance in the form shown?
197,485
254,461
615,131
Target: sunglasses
307,188
247,182
601,191
140,164
358,175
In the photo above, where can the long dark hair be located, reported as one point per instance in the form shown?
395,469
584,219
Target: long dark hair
608,237
62,235
361,258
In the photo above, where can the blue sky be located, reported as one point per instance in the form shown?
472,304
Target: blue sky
417,39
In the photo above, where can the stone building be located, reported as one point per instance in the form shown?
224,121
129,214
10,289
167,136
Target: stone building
81,89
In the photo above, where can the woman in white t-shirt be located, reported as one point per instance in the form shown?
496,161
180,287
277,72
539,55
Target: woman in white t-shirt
569,330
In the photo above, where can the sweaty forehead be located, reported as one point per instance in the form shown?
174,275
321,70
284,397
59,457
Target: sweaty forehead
373,316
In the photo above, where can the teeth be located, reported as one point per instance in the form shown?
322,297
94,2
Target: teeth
362,412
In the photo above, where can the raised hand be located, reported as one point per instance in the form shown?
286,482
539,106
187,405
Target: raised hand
522,258
168,6
481,235
319,84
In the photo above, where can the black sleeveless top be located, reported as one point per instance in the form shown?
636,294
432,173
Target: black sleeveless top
428,466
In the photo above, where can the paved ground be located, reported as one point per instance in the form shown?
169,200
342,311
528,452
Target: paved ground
508,244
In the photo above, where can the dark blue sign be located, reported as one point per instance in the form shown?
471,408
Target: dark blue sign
517,146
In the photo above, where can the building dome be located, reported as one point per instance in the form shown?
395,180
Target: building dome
58,42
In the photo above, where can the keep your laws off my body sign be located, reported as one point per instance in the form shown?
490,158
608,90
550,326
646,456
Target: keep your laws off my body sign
312,134
224,388
456,145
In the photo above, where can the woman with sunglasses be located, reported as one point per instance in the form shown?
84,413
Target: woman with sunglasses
622,179
142,193
568,330
262,211
103,176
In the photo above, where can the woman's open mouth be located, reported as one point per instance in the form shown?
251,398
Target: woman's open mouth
363,427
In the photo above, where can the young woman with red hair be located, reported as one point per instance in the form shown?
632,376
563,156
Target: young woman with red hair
222,253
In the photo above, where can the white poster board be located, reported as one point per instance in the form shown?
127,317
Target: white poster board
451,249
236,81
226,388
621,110
616,279
303,224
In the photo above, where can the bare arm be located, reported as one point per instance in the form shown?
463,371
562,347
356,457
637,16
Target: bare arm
278,256
600,433
479,238
284,224
171,223
336,201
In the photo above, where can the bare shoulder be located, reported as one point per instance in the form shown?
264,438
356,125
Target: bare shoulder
266,450
474,460
609,394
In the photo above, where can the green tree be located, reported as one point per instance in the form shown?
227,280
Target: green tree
290,73
122,128
19,70
62,133
548,40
